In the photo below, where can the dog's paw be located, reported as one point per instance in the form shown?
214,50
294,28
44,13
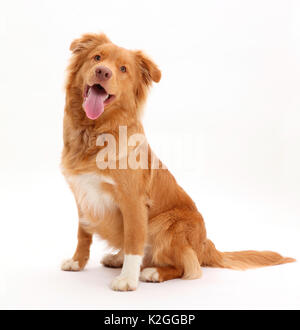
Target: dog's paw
124,283
70,266
149,275
112,260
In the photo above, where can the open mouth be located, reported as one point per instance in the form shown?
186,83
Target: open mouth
95,99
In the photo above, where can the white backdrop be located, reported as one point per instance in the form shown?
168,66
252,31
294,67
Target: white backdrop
230,84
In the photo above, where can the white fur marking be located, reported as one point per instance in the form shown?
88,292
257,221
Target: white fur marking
70,265
149,275
129,277
88,192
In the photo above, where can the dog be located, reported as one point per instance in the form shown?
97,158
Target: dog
123,192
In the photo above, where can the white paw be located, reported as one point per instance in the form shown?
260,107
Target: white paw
149,275
124,283
70,265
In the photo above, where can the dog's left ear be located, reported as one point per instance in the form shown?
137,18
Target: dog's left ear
149,70
88,40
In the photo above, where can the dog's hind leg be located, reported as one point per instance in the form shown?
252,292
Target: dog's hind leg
113,260
188,268
160,274
175,238
191,265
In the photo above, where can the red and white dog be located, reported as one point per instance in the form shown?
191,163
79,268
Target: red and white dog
139,210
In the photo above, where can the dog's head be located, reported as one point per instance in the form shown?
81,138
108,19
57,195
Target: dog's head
109,76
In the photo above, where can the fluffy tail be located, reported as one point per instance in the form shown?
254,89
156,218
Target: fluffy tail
240,260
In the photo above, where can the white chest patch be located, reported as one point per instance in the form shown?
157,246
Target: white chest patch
89,194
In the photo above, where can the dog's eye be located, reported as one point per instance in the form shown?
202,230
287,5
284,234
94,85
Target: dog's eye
97,58
123,68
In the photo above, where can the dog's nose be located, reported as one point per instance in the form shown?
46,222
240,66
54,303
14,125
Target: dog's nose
103,73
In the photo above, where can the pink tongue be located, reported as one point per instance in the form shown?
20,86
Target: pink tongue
94,103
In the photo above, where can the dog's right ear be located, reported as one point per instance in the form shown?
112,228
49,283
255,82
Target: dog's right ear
87,41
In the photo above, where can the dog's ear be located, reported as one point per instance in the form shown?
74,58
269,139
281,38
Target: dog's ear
149,70
87,41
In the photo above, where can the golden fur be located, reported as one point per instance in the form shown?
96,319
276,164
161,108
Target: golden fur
152,215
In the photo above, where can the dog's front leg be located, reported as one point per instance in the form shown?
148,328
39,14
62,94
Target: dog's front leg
82,252
135,219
